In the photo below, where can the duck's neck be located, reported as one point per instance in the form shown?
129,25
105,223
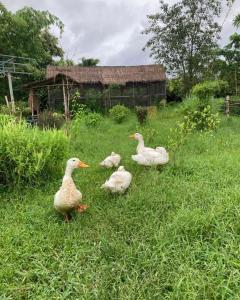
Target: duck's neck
68,172
140,145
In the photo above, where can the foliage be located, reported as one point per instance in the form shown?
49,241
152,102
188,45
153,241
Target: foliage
152,112
203,118
27,33
21,107
183,36
49,119
119,113
175,89
89,62
77,108
180,134
165,239
5,119
28,154
236,21
94,100
227,63
92,119
142,113
207,89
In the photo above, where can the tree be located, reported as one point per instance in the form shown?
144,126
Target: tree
89,62
27,33
236,21
183,37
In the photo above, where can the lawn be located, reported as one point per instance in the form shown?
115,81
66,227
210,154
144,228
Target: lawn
174,235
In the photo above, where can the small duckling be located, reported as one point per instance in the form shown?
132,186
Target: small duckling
119,181
111,161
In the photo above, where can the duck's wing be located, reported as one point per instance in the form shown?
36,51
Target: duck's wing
140,159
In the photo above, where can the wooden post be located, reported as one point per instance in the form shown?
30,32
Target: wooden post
227,111
134,101
236,83
6,99
68,99
65,100
11,92
49,101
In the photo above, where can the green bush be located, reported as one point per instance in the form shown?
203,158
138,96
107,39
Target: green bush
142,113
5,110
22,109
175,89
204,119
207,89
92,119
5,119
30,155
48,119
94,100
119,113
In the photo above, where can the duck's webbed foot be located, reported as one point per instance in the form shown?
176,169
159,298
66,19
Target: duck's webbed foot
81,208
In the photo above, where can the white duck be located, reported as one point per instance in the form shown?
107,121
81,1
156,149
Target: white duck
112,160
119,181
148,156
68,197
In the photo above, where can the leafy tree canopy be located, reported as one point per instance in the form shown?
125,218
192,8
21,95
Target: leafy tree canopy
89,62
27,33
183,36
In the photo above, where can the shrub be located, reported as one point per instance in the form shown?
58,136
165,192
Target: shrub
22,109
92,119
119,113
48,119
93,100
141,113
30,155
204,119
175,89
5,119
76,107
181,132
203,91
5,110
152,112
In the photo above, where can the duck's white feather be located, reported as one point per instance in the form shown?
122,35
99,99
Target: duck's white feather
112,160
119,181
147,156
68,197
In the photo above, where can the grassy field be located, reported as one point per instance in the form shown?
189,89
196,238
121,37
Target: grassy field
174,235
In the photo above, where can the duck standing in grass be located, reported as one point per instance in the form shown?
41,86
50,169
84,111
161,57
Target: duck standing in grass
68,197
148,156
119,181
112,160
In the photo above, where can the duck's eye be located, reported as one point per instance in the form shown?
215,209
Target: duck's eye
74,159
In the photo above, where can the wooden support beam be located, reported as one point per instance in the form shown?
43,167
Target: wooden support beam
11,92
65,101
6,99
227,111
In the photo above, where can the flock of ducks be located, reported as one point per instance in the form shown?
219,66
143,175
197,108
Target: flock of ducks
68,197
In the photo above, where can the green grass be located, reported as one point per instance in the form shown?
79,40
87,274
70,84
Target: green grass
174,235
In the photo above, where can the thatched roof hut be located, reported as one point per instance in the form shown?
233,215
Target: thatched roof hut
109,75
138,85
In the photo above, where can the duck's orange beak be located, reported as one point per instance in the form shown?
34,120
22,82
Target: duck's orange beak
83,165
132,136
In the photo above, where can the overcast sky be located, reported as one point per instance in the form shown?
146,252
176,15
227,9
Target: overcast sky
107,29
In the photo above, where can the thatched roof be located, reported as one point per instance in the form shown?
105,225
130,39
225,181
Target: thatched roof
109,75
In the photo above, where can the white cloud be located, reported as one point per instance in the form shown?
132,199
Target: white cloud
106,29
